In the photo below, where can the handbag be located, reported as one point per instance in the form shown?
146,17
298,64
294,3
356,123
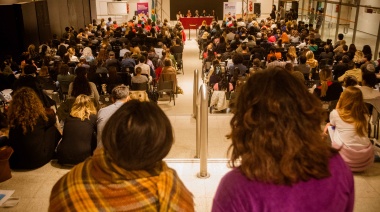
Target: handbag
5,171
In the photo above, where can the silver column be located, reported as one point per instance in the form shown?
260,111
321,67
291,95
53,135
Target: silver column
195,92
203,135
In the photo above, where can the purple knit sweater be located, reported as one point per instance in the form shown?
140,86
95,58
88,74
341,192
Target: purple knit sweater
335,193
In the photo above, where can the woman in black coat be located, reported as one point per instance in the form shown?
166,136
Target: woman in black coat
32,135
79,132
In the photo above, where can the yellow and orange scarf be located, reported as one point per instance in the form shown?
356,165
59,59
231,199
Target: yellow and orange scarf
98,184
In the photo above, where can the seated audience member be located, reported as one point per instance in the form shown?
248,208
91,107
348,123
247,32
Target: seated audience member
326,54
81,85
77,145
350,135
45,80
237,61
273,52
138,78
341,66
145,68
352,71
368,86
303,67
112,61
120,95
32,133
327,90
268,142
113,79
125,174
168,68
29,80
290,68
313,64
4,131
64,74
128,63
273,62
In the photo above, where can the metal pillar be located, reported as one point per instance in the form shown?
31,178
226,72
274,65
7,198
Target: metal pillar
356,22
158,9
338,21
302,11
324,18
195,92
203,134
377,44
244,9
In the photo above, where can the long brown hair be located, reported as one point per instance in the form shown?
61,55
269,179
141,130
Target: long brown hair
352,109
276,130
25,109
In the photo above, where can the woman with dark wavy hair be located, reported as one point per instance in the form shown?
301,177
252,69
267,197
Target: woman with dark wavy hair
81,85
32,133
279,158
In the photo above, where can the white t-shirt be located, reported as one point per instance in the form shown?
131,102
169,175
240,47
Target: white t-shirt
346,133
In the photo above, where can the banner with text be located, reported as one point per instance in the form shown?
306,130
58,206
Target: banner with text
229,9
142,10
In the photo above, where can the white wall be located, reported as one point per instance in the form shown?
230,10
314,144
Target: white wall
266,6
368,22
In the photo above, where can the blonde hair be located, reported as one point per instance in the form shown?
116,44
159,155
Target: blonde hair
310,59
352,109
358,57
83,107
292,51
325,76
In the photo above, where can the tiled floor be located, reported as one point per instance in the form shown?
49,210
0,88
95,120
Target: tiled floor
33,187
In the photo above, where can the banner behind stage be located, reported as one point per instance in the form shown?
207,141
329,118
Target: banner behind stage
229,9
142,8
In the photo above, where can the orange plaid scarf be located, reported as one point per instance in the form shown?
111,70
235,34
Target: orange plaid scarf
98,184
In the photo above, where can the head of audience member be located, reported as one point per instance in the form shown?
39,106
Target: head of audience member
345,48
350,81
111,55
25,109
264,128
83,107
142,59
289,67
340,36
303,59
138,71
369,79
351,65
237,59
30,70
138,121
272,58
81,84
167,62
120,93
345,59
367,50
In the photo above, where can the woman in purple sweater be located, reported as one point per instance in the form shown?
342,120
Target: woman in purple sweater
280,161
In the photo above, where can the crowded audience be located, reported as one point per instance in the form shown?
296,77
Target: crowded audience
277,75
